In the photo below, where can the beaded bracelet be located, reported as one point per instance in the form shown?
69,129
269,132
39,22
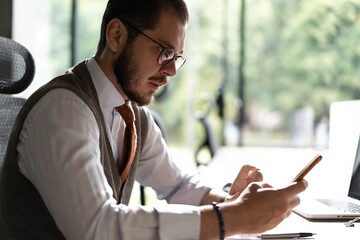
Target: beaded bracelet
221,220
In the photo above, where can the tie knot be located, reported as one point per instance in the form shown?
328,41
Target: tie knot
126,113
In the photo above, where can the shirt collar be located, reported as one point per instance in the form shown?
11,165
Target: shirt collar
109,96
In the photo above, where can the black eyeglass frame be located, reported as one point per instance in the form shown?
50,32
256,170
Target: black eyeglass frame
164,50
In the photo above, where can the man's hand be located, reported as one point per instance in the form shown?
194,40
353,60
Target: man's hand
261,207
246,175
257,209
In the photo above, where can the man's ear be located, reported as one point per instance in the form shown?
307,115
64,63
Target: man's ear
116,35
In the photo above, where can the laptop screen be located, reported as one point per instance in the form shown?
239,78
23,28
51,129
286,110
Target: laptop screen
354,190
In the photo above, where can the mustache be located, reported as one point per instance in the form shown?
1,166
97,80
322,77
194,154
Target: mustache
160,80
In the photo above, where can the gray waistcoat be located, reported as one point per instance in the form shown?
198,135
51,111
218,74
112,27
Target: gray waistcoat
23,214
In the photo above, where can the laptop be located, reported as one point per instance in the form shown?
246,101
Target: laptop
333,208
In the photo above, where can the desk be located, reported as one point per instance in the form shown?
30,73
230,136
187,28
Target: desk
323,230
279,166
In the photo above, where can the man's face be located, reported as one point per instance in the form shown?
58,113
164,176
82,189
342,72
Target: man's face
137,69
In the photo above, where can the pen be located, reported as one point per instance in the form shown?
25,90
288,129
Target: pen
286,235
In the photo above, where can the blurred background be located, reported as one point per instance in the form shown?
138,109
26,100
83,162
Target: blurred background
258,72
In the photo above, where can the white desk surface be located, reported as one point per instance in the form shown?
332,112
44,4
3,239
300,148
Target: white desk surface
279,166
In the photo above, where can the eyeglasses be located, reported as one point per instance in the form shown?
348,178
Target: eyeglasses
166,54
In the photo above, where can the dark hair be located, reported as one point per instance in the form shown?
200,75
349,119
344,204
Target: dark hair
142,14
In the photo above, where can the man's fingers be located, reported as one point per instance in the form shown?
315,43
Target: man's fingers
242,179
255,187
247,167
294,201
259,186
255,175
249,172
295,188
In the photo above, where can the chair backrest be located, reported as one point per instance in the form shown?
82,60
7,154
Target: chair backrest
17,69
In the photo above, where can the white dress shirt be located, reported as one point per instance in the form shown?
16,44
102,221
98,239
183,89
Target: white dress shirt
59,153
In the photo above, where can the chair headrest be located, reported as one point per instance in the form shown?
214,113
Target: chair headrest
17,67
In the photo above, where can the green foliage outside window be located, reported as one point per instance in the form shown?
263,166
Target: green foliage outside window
298,53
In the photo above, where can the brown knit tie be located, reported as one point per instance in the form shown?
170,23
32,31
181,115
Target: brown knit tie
129,143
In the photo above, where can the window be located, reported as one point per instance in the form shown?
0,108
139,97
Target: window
299,56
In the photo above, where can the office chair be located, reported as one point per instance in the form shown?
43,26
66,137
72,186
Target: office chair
17,69
208,143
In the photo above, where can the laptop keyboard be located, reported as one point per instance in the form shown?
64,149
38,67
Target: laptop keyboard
342,205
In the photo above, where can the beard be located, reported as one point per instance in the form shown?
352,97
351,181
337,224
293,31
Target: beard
125,71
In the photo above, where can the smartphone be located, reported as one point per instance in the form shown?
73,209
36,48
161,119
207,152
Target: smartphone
300,176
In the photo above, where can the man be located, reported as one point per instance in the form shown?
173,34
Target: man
60,178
